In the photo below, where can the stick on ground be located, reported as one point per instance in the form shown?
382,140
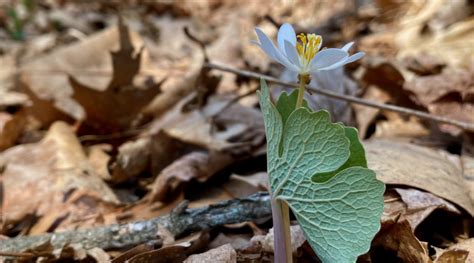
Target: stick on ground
181,221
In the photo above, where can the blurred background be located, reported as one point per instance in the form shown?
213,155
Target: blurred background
112,112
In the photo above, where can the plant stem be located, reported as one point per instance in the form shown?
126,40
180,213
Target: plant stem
303,80
280,210
281,232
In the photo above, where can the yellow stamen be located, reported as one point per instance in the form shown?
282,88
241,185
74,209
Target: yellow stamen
307,47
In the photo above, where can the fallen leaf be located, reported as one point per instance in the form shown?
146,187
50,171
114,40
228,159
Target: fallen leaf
421,204
224,254
460,252
237,241
366,116
51,88
98,156
448,94
221,125
176,252
122,258
39,177
150,153
467,162
400,243
118,105
12,99
193,166
406,164
455,255
240,186
415,36
424,64
11,127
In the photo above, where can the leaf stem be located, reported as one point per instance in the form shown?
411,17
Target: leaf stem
303,80
281,232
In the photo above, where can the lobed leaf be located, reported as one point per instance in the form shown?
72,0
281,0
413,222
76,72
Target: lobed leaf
319,169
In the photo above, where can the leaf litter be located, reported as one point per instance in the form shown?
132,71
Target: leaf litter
112,117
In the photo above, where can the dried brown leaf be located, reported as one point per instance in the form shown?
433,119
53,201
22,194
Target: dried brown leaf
419,205
40,177
223,254
176,252
399,242
198,166
240,186
405,164
453,44
11,127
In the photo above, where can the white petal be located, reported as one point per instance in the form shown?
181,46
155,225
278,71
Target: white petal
347,46
292,54
345,61
355,57
327,57
269,48
286,33
266,44
335,65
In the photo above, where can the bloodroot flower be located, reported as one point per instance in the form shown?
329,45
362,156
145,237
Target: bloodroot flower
302,54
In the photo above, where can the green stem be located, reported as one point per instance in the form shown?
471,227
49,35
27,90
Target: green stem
303,80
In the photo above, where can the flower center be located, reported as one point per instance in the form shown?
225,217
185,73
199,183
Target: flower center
307,46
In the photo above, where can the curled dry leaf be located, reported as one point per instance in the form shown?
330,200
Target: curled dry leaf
406,164
221,125
133,158
39,177
150,153
384,83
223,254
460,252
398,240
419,205
449,94
193,166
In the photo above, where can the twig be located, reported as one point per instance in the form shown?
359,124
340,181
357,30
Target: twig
179,222
405,111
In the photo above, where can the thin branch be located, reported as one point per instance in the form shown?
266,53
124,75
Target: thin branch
181,221
405,111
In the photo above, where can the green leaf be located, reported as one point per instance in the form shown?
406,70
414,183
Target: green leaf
356,158
340,214
286,104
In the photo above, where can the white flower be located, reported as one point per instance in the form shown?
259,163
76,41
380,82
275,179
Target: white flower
302,54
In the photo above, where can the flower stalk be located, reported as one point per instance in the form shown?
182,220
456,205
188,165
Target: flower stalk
303,79
281,232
